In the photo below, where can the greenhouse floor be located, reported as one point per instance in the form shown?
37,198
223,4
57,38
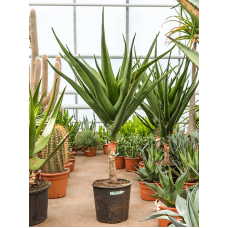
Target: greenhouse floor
77,208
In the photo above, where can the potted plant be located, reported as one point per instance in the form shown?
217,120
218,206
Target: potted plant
38,188
120,151
188,211
167,194
89,140
149,173
133,145
113,99
104,138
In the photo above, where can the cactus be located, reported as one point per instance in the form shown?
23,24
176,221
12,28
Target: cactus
56,163
37,65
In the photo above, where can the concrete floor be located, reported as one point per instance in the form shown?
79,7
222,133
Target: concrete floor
77,208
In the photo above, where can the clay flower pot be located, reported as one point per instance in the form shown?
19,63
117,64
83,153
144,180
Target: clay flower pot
74,148
84,148
105,148
58,183
90,151
131,163
72,161
187,184
72,154
141,163
145,190
68,166
119,162
37,175
164,222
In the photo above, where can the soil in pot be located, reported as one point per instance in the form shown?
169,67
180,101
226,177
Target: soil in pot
164,222
58,183
145,191
119,162
38,202
105,148
112,200
89,152
72,161
131,164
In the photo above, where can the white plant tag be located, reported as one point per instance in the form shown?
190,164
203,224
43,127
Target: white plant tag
116,193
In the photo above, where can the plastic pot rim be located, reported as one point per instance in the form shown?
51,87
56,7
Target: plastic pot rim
42,189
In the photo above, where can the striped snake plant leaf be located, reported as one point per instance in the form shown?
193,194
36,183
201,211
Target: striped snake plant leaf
106,67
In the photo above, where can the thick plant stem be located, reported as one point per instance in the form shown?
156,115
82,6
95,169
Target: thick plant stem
192,121
112,164
166,154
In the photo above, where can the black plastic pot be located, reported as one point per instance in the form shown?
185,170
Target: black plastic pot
38,205
112,203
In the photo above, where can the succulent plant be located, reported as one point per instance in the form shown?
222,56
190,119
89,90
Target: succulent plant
57,162
87,138
169,191
188,211
85,124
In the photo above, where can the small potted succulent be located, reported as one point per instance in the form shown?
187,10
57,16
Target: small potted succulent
168,192
188,211
120,151
149,173
133,147
89,140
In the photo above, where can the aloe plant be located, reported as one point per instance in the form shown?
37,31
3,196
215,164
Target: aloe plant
169,191
113,99
167,101
36,141
85,124
188,211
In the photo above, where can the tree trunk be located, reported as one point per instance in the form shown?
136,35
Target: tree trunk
192,122
112,163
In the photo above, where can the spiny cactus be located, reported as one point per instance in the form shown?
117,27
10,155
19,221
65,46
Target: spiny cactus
37,65
56,163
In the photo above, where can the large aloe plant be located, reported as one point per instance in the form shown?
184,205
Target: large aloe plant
113,99
167,101
36,141
188,211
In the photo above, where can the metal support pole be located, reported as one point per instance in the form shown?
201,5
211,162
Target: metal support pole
75,52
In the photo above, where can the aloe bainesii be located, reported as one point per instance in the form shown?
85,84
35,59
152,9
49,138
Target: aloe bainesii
113,99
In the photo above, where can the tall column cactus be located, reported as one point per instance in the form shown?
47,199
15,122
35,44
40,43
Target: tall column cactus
38,66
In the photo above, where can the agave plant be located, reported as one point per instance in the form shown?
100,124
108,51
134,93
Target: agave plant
113,99
167,101
85,124
36,141
188,211
169,191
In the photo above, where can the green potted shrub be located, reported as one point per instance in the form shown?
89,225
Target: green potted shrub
103,132
149,173
114,100
167,194
188,211
38,188
89,140
120,151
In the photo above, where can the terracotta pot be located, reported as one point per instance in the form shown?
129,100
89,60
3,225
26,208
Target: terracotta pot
145,189
72,154
164,222
58,183
37,175
84,148
119,162
189,185
140,159
72,160
68,166
131,163
105,148
92,151
141,163
74,148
